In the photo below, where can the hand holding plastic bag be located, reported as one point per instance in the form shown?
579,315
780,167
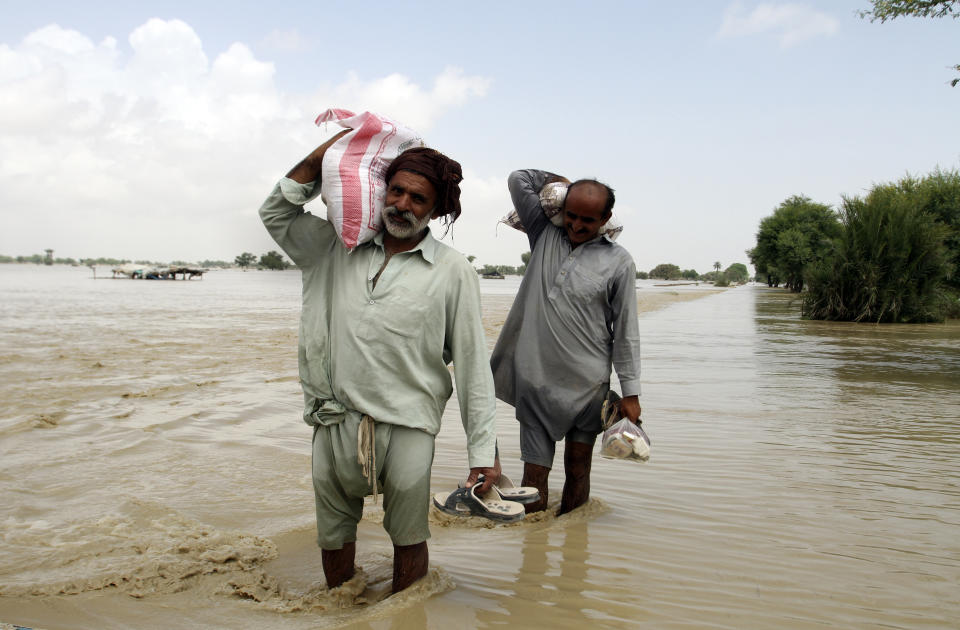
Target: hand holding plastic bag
625,440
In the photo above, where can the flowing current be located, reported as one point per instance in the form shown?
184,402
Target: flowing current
154,472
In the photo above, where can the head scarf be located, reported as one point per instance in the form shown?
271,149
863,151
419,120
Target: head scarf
441,171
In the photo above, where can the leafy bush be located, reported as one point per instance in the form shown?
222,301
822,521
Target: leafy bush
273,260
737,272
939,195
889,263
665,271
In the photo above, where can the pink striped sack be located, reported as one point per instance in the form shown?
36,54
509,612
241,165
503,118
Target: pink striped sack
352,184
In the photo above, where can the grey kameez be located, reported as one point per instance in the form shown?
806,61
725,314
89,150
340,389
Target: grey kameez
574,316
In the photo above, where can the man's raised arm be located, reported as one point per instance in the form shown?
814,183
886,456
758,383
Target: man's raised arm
282,212
308,169
524,189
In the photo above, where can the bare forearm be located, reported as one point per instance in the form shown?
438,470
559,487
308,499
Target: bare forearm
308,169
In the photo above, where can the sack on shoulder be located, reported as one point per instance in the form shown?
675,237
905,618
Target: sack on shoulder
352,176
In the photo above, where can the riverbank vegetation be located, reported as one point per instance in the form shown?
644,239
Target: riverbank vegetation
795,236
41,259
889,256
270,260
736,273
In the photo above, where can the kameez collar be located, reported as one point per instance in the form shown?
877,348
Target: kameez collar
427,245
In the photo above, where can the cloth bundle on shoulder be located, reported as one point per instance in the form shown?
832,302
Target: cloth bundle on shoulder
551,200
352,176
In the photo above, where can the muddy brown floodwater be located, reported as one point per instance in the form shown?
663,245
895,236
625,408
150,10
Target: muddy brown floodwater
155,473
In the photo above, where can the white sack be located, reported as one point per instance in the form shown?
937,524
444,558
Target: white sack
352,184
551,200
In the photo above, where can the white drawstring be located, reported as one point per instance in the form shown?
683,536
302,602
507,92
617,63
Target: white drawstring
367,452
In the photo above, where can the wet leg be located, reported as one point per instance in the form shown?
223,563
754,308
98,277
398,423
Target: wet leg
410,563
577,458
338,564
536,476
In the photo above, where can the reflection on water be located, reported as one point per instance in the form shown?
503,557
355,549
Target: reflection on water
803,474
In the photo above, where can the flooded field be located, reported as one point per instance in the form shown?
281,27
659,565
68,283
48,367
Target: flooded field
155,472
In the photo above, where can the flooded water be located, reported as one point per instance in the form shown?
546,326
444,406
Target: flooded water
154,472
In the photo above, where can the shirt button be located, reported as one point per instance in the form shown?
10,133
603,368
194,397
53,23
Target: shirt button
372,302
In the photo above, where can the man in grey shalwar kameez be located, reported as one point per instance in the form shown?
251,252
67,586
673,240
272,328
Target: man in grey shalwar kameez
574,316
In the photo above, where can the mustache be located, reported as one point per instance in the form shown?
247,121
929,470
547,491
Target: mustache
406,215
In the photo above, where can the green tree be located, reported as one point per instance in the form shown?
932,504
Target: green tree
244,260
273,260
737,272
889,264
939,195
689,274
793,238
884,10
642,275
209,264
665,271
716,266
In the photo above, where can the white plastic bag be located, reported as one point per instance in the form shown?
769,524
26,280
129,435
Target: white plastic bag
551,200
625,440
352,184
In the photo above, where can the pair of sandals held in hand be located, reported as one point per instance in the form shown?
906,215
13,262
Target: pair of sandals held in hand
503,503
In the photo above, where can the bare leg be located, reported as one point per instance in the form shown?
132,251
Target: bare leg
577,458
536,476
338,564
410,563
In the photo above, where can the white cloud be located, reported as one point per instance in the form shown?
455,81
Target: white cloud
159,152
790,23
59,39
399,97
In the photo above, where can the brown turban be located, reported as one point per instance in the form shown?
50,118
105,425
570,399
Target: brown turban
441,171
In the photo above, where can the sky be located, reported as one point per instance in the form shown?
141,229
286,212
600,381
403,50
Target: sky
154,130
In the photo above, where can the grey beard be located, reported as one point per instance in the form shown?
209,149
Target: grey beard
414,226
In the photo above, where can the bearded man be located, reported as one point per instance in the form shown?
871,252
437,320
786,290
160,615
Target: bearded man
378,327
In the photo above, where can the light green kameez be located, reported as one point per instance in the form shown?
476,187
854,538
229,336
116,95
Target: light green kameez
383,351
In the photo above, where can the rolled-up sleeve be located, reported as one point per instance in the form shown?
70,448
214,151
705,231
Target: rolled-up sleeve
302,236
